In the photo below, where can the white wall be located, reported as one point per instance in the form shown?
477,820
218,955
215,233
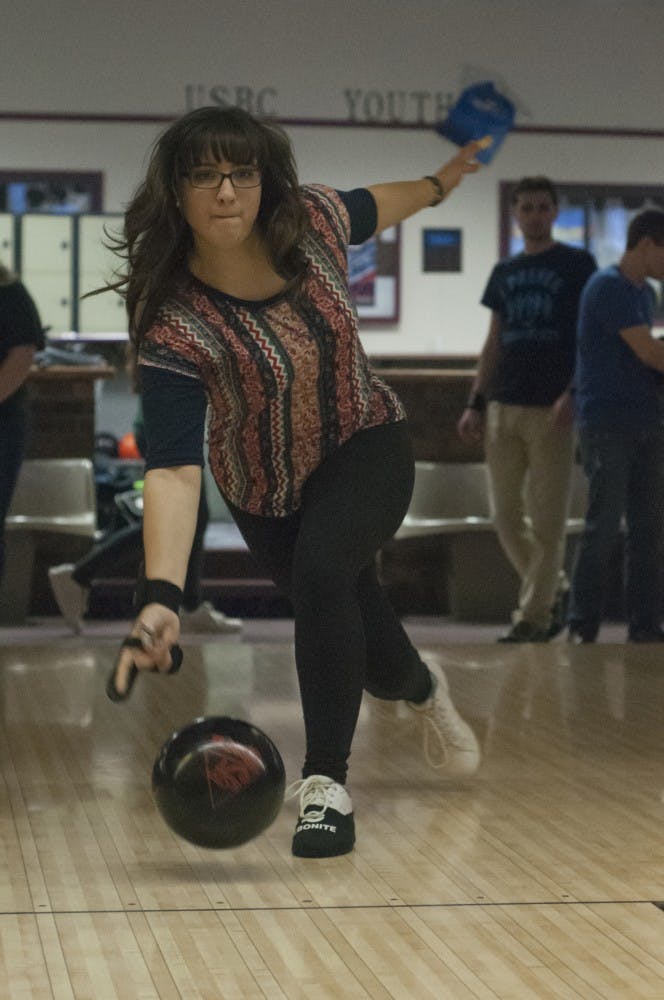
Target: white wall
571,64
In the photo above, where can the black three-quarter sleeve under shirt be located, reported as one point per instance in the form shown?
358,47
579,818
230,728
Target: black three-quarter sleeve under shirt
174,408
363,214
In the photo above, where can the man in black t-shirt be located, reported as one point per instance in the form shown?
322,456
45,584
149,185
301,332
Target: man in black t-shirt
522,406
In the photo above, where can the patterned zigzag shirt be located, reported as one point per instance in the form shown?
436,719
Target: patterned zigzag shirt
286,384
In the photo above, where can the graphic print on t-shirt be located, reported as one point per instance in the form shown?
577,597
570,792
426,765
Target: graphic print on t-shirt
530,305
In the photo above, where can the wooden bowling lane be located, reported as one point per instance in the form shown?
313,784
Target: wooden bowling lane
537,878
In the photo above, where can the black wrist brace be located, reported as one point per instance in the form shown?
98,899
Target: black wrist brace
157,592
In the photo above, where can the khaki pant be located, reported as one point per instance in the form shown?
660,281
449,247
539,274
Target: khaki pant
529,461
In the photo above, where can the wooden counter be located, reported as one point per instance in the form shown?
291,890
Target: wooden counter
61,407
434,399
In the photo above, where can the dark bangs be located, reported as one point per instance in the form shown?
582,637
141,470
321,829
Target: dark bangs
217,135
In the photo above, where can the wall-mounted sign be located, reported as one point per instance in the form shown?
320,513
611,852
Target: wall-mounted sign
441,249
418,107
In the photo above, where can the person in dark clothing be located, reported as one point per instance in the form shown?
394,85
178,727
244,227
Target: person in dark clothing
238,298
618,394
120,553
521,406
21,335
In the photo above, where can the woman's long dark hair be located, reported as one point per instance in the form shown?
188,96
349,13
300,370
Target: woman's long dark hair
156,240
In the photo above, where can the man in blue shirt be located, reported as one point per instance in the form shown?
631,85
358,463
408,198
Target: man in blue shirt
620,414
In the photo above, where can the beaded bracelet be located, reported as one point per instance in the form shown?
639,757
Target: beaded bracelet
440,193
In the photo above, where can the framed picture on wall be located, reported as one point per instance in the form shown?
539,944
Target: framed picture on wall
55,192
373,270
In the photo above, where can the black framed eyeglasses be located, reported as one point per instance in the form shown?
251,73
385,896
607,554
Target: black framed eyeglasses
209,177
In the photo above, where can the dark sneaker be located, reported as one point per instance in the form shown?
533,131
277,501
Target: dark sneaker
646,635
559,612
525,632
325,826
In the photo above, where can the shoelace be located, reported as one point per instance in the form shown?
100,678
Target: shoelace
432,735
313,792
439,726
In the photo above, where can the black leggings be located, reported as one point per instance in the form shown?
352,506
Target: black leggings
347,636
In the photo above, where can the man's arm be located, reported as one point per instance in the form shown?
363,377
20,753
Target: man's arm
647,349
471,425
488,360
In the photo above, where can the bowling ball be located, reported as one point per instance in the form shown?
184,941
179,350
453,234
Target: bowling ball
127,447
218,782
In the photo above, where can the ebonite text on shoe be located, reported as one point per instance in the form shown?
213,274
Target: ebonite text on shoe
316,826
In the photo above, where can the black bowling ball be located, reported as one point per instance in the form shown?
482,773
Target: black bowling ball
218,782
